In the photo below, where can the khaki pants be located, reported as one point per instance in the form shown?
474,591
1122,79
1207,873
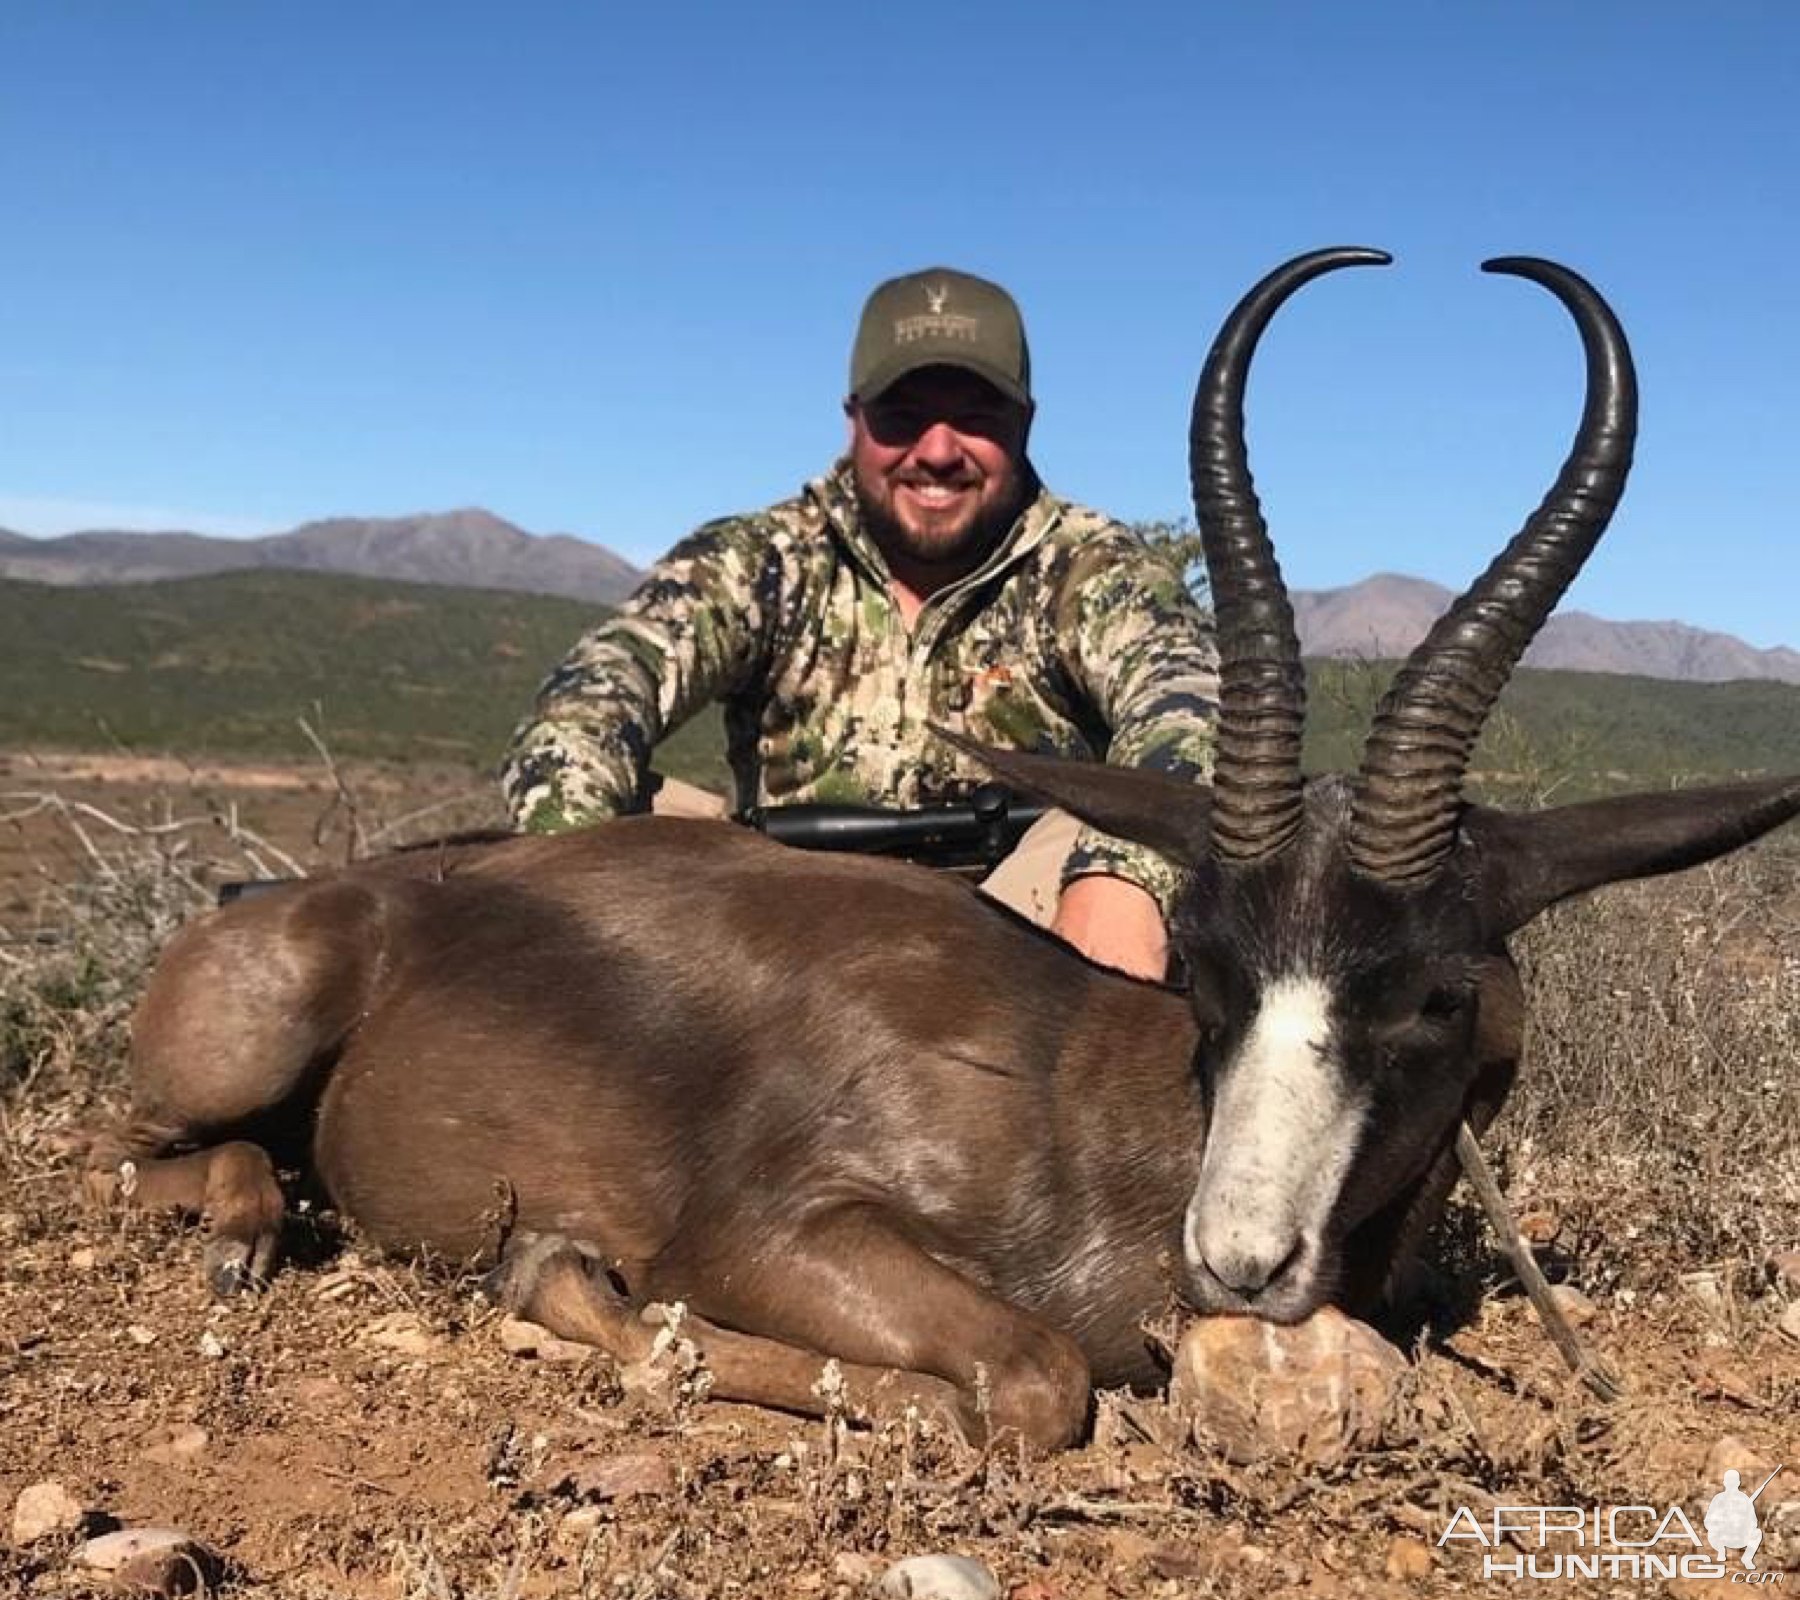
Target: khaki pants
1028,881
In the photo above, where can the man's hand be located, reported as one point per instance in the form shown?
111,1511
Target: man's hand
1115,923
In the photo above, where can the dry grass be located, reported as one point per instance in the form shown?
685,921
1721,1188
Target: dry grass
1653,1141
1660,1111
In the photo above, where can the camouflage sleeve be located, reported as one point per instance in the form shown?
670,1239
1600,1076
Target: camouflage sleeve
691,633
1142,648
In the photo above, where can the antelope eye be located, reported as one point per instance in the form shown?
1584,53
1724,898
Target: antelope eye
1445,1003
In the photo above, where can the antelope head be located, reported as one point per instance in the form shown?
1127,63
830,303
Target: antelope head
1343,939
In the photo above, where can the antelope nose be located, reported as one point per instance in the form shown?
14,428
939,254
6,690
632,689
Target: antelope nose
1249,1265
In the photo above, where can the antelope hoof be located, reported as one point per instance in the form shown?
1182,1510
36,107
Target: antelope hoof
237,1266
103,1188
515,1279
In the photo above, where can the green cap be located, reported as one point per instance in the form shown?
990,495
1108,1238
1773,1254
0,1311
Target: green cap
940,318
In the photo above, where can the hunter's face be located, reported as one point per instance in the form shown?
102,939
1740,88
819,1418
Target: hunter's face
938,459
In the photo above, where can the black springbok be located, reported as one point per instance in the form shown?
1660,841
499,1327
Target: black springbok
847,1108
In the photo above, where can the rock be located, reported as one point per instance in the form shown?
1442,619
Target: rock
1706,1289
403,1333
938,1578
521,1338
172,1445
1573,1304
1789,1321
624,1477
43,1509
1317,1390
1784,1268
156,1561
179,1570
578,1526
1408,1561
84,1258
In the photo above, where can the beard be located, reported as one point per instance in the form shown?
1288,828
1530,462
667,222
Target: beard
960,543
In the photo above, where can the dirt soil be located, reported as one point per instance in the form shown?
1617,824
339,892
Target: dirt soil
360,1431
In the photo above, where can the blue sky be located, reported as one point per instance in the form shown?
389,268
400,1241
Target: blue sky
597,267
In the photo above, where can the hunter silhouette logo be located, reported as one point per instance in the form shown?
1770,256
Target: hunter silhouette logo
1731,1520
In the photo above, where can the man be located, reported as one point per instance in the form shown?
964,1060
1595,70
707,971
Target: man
927,577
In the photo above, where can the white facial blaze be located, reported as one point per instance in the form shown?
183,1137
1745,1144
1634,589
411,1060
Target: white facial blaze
1285,1126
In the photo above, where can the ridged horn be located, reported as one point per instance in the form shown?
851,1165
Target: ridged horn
1262,688
1409,789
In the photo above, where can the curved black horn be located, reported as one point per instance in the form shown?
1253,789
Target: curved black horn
1262,688
1409,790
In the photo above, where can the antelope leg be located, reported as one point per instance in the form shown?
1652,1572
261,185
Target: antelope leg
561,1285
230,1187
850,1284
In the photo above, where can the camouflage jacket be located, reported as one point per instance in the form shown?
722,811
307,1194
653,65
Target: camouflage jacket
1072,638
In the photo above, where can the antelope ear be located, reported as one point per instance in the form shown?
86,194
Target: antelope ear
1529,860
1170,815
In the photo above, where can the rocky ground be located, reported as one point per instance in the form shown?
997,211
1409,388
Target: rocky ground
367,1428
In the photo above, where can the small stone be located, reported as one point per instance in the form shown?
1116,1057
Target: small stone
43,1509
84,1259
624,1477
521,1338
1573,1304
1316,1390
137,1333
1784,1267
1706,1289
578,1526
1789,1322
938,1578
403,1333
211,1346
173,1445
1408,1561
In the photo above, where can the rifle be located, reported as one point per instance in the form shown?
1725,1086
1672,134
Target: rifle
976,834
973,835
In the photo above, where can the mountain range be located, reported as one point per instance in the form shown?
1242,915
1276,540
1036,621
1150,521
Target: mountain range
468,549
1381,617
